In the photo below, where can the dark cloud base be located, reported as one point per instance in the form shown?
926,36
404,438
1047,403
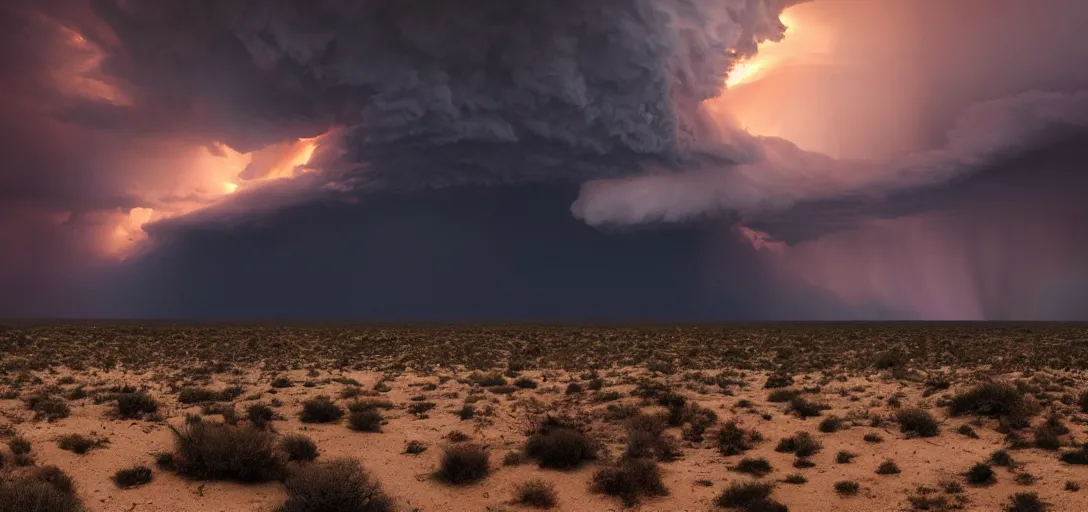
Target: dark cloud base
469,254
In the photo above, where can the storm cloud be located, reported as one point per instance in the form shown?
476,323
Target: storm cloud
436,93
229,147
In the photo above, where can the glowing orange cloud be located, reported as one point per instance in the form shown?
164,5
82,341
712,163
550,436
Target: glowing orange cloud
295,160
210,174
749,98
190,177
797,43
78,75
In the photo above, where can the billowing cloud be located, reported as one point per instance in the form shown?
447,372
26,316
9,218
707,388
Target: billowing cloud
781,176
440,92
138,128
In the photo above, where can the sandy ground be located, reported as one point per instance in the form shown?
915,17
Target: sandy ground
924,461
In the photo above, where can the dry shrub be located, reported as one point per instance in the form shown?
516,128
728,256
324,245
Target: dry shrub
76,443
525,383
1003,459
556,443
917,422
135,405
487,379
299,448
536,494
366,420
734,440
19,445
53,476
830,424
996,399
795,479
630,480
845,457
132,477
1026,502
370,403
260,415
641,443
698,420
783,395
45,490
805,408
980,474
1048,434
1077,457
320,409
216,451
415,447
847,487
646,438
463,464
888,467
749,496
758,467
802,444
337,485
202,395
778,380
48,407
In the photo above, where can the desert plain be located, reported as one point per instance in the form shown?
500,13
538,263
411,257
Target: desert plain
102,416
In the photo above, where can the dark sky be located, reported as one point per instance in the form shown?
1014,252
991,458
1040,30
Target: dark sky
544,161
